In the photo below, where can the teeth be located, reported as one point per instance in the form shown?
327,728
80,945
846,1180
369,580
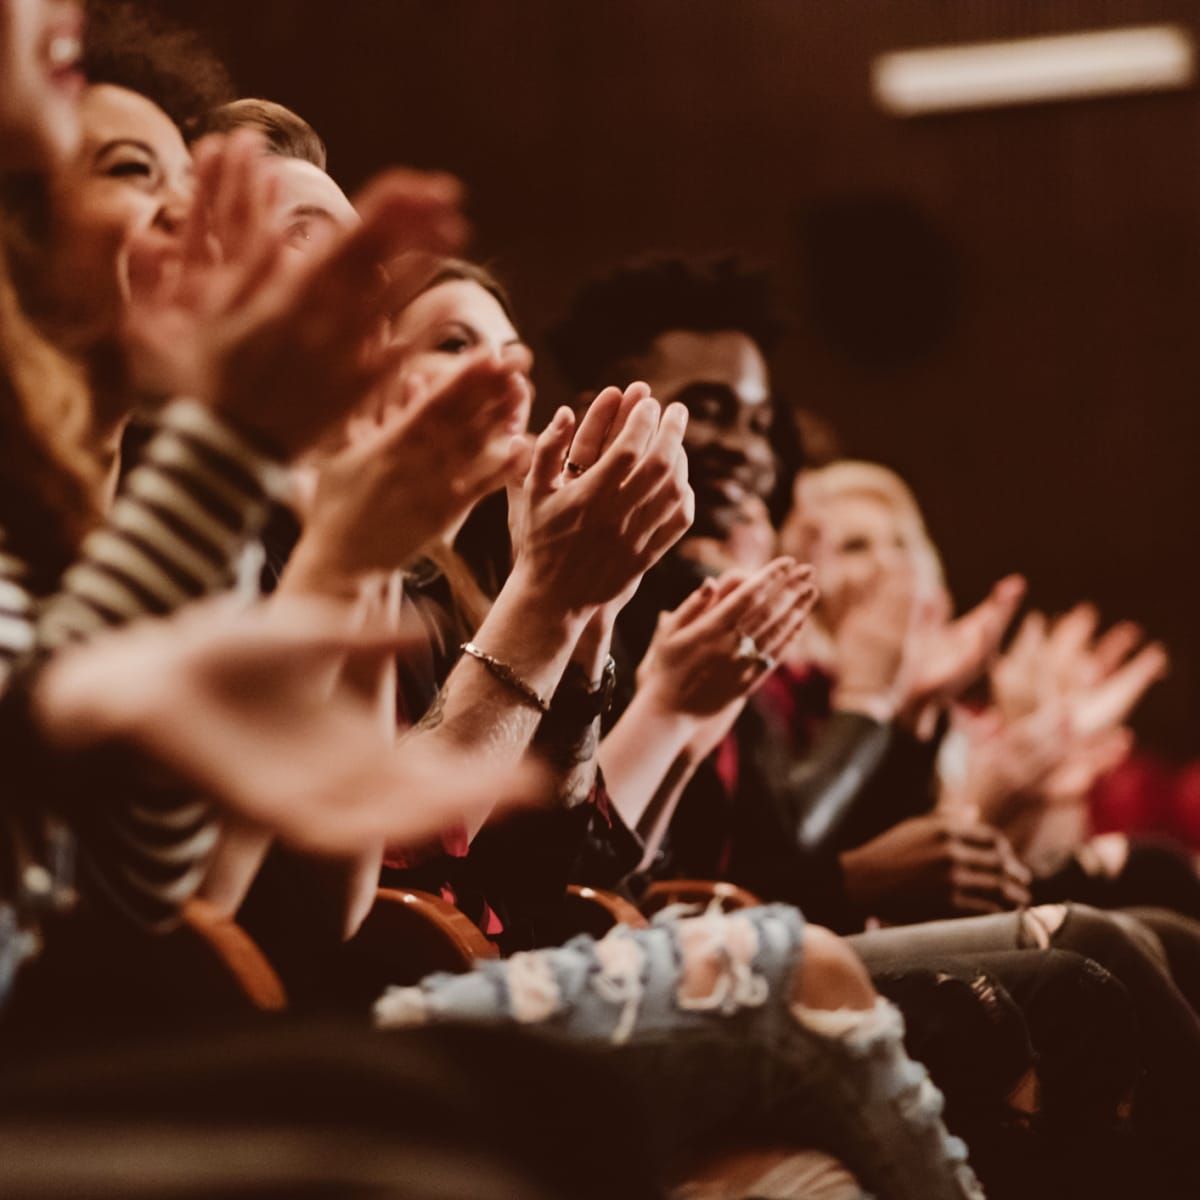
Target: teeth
65,50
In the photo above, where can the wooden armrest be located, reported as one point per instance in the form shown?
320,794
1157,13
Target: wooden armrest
595,911
697,891
408,935
242,963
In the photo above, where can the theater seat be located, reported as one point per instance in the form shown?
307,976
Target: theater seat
232,952
697,891
595,911
408,935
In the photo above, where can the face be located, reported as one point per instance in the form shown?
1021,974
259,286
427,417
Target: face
722,379
852,539
314,210
455,318
40,82
133,174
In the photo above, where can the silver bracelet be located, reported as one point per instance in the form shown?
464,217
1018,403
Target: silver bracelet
507,675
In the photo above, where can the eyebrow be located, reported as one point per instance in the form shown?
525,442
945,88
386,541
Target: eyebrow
312,210
144,147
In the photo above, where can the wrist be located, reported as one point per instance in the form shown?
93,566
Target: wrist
592,650
523,591
316,568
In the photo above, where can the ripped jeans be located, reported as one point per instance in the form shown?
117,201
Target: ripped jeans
740,1056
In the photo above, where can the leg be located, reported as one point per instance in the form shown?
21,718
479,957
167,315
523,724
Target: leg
727,997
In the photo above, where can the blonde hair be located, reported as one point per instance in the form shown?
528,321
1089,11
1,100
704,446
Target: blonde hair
855,477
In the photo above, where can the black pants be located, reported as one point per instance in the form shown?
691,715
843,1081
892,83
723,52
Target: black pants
1167,1038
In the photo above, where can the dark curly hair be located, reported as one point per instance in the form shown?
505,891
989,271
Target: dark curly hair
136,47
617,316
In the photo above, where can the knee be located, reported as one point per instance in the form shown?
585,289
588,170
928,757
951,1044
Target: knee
831,976
1114,944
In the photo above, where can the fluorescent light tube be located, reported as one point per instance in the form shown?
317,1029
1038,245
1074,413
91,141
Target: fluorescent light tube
1145,58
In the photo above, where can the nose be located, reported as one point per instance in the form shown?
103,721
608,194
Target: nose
176,204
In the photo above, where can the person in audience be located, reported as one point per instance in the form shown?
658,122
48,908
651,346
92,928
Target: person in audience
697,333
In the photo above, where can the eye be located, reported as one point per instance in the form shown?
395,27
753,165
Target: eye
855,545
453,343
129,168
299,233
706,408
760,424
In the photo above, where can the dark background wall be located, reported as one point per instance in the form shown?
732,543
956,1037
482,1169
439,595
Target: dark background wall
1000,305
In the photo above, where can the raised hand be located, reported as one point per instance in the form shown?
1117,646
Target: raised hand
698,662
237,705
945,657
417,470
586,529
282,348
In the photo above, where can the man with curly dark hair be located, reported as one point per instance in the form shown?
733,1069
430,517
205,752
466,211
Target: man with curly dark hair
700,332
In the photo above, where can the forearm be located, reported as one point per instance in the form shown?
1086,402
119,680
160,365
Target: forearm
648,758
479,715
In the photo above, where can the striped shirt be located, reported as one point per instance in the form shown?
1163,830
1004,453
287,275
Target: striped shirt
176,531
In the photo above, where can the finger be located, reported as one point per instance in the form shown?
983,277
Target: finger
626,451
594,426
694,604
669,531
796,584
1115,645
663,463
726,615
775,640
630,398
550,452
208,159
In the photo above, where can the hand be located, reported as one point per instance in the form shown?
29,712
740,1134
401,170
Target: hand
692,665
417,470
583,539
935,866
284,349
945,657
237,705
1008,763
1020,678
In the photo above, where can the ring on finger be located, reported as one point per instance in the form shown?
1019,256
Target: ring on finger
747,649
573,468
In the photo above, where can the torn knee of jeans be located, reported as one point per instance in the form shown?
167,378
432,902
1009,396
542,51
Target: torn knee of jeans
717,953
865,1029
1040,924
619,981
400,1007
533,991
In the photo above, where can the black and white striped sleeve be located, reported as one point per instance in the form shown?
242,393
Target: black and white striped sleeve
174,534
175,531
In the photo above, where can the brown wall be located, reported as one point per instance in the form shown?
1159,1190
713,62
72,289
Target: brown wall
1000,305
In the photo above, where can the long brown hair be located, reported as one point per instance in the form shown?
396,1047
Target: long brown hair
49,480
471,566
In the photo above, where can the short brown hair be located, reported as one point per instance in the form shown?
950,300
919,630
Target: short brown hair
286,133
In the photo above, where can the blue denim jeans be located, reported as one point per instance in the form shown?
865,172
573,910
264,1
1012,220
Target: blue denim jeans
739,1056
